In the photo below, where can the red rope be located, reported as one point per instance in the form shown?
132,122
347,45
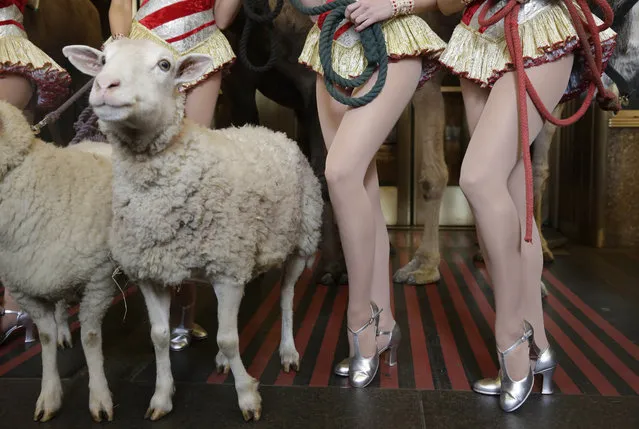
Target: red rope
588,33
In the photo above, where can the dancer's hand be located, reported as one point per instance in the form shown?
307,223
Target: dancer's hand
364,13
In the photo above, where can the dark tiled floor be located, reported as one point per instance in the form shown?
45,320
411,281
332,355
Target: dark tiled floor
590,317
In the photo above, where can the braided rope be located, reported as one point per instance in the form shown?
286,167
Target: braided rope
253,19
607,100
373,43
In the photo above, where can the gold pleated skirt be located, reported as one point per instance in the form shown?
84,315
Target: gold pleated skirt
546,35
406,37
21,57
216,46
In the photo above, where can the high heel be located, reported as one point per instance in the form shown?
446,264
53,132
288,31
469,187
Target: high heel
181,336
362,370
23,321
514,393
389,351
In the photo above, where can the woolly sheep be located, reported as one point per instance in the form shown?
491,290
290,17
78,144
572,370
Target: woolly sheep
55,213
192,203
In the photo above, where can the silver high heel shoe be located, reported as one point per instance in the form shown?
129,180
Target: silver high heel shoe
181,336
545,364
390,350
514,393
23,321
362,370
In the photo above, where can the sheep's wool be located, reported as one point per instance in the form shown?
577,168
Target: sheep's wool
223,204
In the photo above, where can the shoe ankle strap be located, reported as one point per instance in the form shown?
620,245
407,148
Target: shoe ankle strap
523,339
375,312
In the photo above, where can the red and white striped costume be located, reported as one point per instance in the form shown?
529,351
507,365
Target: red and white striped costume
19,56
185,26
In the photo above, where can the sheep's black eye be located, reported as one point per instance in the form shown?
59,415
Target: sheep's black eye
164,65
103,60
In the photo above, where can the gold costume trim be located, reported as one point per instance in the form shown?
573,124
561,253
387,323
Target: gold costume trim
216,46
406,36
20,56
545,37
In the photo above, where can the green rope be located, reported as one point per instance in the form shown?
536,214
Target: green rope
373,43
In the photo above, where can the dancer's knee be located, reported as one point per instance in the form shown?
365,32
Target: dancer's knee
340,176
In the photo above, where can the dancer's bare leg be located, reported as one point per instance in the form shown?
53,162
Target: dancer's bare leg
358,137
486,179
475,98
200,108
331,113
17,91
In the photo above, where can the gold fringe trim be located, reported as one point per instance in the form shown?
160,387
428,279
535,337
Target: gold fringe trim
216,46
406,36
544,38
19,50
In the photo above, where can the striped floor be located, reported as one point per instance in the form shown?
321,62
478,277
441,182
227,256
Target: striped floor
447,328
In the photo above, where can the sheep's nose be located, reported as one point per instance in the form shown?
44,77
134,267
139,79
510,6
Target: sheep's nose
106,82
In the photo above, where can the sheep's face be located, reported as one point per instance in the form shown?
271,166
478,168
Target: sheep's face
136,81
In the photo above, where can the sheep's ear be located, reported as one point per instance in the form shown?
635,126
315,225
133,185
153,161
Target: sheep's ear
85,58
192,67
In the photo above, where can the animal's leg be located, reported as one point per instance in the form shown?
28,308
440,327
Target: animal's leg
158,301
429,107
289,356
541,173
229,297
95,302
62,322
50,399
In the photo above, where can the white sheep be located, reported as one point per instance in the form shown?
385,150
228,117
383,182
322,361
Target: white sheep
55,214
193,203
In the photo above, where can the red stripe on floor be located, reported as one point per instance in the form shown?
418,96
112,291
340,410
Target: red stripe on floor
251,328
486,364
614,333
324,361
453,362
613,361
272,341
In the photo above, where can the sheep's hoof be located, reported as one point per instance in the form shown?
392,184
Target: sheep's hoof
222,363
44,416
155,413
101,405
102,415
64,337
252,415
290,360
48,404
544,290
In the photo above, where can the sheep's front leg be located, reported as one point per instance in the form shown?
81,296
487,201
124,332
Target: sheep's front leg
95,302
229,297
289,356
62,322
50,399
158,302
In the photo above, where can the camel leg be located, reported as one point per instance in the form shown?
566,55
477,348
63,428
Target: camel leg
429,109
541,173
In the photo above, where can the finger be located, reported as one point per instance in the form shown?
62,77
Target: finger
356,14
364,25
361,18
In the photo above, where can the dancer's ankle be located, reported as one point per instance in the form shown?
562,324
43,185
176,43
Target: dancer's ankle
367,344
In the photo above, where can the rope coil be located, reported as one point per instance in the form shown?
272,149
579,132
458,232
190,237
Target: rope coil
606,99
373,44
253,18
